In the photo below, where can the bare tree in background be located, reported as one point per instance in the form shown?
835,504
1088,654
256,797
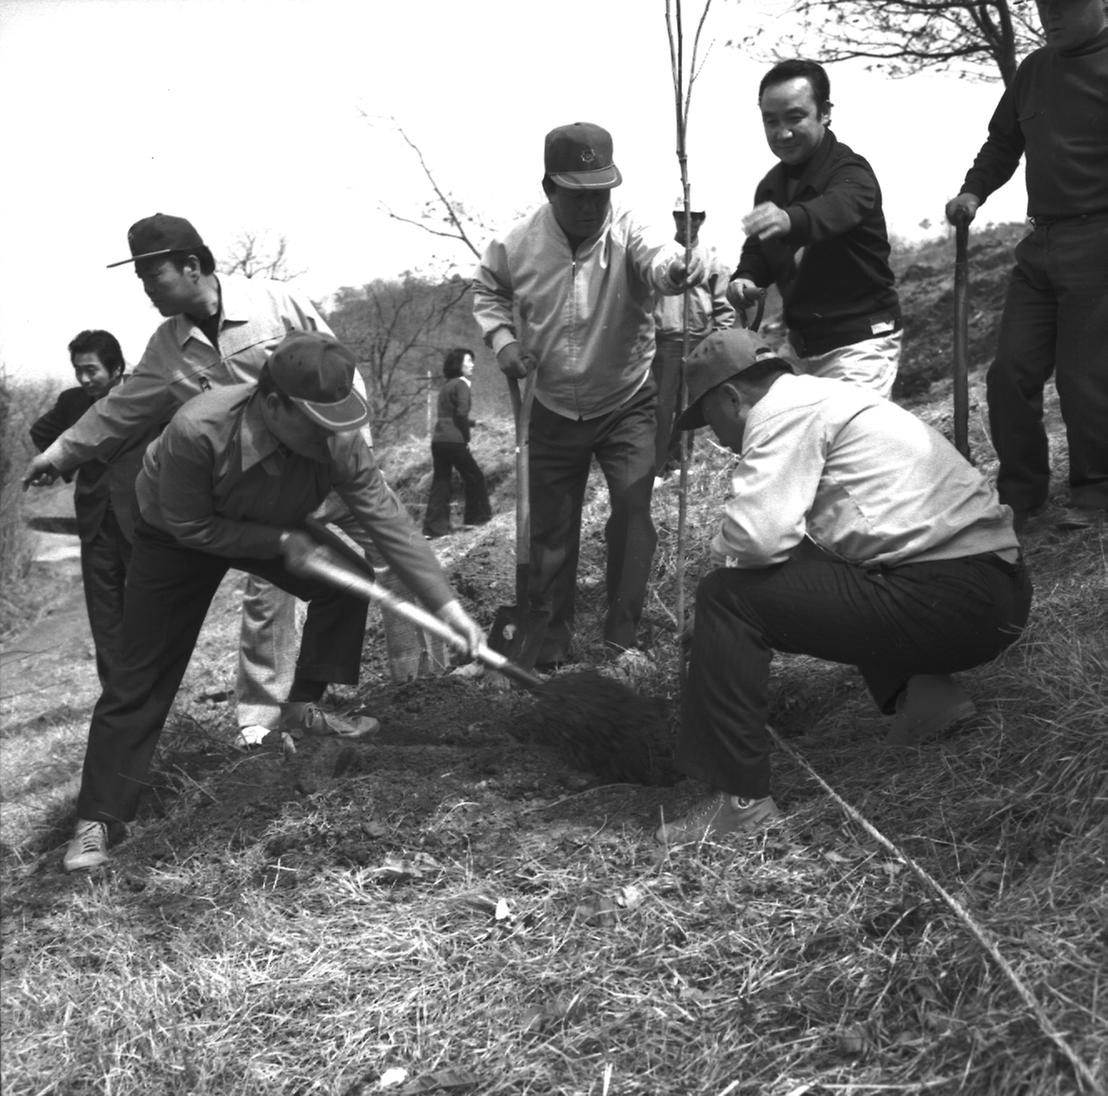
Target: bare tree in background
901,37
397,328
255,255
442,215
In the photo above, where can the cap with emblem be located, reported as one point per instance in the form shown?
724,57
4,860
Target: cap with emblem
579,157
160,235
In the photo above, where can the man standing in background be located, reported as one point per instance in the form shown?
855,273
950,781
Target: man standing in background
1055,317
103,497
709,310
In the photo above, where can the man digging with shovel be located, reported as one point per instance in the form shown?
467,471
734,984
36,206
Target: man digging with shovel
227,485
855,533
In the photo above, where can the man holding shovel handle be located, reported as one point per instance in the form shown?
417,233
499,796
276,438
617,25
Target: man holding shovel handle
1055,320
583,278
227,485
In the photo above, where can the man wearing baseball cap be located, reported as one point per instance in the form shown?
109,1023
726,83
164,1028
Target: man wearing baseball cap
708,310
226,485
854,533
218,330
583,278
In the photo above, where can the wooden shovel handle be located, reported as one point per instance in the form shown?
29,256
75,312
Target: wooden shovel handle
961,336
522,402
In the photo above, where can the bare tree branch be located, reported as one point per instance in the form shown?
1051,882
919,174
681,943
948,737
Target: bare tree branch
976,38
253,255
452,209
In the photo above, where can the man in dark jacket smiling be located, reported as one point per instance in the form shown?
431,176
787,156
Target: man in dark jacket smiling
817,230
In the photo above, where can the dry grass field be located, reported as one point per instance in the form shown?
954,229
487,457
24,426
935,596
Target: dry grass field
452,907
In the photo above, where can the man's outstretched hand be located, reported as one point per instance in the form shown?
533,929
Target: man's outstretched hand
39,473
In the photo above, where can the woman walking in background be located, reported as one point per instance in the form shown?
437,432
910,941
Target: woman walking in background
450,450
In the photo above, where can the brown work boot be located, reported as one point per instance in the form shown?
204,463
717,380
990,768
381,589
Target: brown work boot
929,705
717,816
302,717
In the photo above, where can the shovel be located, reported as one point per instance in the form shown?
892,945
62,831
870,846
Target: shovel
343,573
961,336
518,630
412,653
601,724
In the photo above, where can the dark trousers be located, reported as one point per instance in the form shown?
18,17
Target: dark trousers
561,454
445,457
666,371
104,559
1055,320
921,618
169,589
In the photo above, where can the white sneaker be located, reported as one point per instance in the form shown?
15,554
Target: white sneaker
251,736
89,847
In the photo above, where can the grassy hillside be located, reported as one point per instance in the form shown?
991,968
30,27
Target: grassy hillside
453,907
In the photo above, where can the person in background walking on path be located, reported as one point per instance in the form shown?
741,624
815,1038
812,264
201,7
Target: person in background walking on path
1055,319
450,450
818,231
228,485
709,310
854,533
582,278
103,497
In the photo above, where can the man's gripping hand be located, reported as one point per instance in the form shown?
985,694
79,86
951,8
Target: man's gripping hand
513,362
742,292
964,207
690,276
40,473
453,614
295,548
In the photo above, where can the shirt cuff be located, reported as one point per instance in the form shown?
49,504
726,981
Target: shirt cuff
501,338
55,454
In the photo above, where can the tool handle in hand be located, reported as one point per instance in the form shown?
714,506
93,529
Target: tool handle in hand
320,564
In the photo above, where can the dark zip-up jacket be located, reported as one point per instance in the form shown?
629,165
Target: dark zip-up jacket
832,267
1056,111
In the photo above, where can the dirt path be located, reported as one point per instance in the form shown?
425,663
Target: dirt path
48,686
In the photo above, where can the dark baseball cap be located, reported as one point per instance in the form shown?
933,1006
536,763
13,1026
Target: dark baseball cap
316,372
718,358
160,235
579,157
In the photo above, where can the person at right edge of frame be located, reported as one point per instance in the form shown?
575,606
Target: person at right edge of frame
1055,319
854,533
818,231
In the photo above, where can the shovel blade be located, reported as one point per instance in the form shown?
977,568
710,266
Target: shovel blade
519,636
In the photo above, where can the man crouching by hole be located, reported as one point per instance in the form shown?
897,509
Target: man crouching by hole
225,486
855,533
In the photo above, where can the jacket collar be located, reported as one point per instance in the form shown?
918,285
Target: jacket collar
255,441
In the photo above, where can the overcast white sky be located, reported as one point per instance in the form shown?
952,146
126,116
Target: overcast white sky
245,115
